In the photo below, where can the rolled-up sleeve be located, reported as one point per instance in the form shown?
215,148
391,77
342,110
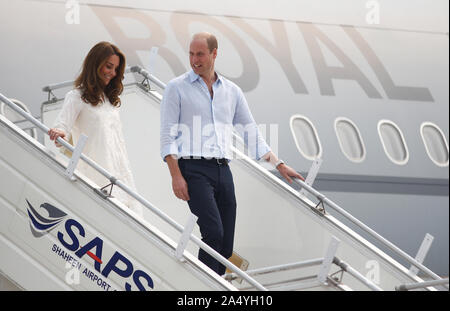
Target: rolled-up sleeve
246,126
170,115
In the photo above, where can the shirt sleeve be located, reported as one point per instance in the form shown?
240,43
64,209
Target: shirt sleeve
69,113
246,126
170,115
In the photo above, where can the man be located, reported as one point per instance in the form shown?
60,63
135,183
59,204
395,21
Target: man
197,111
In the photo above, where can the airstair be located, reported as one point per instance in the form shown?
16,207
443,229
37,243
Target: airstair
61,231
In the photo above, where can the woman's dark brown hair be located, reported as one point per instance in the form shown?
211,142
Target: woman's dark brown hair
89,82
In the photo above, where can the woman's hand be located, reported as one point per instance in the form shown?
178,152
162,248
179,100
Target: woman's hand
54,133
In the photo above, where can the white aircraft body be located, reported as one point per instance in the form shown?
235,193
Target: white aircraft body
361,85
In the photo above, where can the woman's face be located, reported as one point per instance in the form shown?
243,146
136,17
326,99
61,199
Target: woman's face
109,70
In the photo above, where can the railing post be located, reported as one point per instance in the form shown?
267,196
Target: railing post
188,228
152,60
76,154
423,250
312,174
328,260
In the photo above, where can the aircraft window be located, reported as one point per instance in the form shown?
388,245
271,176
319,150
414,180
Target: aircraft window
435,143
306,138
350,140
393,142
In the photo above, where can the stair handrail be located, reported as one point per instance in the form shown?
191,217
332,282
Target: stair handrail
406,287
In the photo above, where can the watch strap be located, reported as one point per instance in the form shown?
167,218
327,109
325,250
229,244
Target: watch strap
278,163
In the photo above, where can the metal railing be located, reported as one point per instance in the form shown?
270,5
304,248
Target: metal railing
405,287
322,198
278,268
138,197
345,267
353,272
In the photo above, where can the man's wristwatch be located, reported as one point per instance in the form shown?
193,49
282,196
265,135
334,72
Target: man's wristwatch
278,163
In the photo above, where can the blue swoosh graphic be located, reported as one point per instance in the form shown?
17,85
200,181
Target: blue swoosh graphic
40,226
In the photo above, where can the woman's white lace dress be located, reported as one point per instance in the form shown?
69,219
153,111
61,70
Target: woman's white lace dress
105,144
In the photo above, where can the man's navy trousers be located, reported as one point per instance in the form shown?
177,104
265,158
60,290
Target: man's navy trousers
212,200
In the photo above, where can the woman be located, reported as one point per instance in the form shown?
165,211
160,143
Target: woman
92,108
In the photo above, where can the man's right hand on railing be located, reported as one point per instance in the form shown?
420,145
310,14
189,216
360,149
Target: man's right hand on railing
54,133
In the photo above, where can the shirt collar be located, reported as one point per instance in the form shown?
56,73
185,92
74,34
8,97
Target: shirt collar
194,77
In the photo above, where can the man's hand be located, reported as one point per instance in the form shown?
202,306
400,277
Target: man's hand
179,184
180,187
288,172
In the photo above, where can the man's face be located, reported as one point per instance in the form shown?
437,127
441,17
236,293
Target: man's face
201,59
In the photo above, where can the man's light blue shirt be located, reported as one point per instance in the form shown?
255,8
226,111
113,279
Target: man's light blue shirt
195,124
